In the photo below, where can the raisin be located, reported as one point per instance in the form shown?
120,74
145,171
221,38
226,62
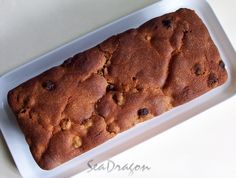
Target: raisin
198,69
167,23
49,85
222,64
143,112
212,80
110,87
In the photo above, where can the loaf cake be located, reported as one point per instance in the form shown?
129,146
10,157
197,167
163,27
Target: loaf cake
127,79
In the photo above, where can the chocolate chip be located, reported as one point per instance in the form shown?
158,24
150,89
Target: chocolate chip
212,80
198,69
143,112
167,23
49,85
222,64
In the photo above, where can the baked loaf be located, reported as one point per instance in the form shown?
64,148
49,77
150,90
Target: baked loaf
125,80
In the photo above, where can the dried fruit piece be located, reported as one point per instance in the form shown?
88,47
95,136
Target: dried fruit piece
65,124
77,142
87,123
198,70
167,23
222,64
212,80
119,99
143,112
49,85
110,87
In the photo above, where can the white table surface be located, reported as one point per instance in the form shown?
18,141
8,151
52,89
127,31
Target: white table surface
202,147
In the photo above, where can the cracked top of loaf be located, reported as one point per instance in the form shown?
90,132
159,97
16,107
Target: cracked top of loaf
127,79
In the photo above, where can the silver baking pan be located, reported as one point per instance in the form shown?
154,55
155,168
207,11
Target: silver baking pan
15,139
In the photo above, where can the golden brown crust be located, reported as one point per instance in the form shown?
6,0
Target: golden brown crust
127,79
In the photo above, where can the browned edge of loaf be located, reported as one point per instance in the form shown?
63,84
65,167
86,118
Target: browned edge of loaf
125,80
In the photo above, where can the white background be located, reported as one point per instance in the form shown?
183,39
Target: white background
202,147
